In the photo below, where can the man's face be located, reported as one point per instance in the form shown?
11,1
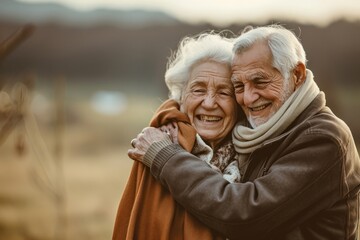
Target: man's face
260,89
209,101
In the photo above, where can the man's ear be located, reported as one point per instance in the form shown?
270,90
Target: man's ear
299,74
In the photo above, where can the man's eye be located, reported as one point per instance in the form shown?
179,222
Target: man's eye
260,81
239,87
261,84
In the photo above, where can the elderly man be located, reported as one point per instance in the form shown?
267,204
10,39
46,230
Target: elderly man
299,163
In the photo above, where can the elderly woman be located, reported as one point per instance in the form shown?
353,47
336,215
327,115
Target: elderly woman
202,110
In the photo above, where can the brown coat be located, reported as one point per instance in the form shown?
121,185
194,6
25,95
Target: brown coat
147,210
303,184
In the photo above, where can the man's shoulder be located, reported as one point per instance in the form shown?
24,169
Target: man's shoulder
326,124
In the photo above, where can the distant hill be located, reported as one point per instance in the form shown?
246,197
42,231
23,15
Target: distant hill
52,12
113,51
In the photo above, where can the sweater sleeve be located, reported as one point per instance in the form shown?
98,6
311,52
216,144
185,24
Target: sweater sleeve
154,149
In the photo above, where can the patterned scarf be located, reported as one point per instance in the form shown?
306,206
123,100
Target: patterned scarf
223,159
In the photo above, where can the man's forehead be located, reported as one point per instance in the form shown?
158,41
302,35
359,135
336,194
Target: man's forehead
245,72
257,55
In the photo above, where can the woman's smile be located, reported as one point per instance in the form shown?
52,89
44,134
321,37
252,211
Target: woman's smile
208,118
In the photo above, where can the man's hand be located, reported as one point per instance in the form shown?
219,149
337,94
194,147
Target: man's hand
172,130
143,141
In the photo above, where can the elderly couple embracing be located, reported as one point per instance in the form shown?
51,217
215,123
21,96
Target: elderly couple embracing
244,148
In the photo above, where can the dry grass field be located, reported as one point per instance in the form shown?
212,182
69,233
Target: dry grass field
91,172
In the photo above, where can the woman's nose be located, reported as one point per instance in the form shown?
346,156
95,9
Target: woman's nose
209,100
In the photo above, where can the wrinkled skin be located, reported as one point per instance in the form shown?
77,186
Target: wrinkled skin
260,88
209,102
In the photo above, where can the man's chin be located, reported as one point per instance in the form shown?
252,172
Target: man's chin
256,122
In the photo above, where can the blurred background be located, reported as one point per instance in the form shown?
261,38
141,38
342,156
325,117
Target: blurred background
79,79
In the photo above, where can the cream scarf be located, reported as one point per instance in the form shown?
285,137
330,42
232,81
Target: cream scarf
246,140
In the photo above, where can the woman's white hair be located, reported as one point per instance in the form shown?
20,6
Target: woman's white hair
192,50
286,49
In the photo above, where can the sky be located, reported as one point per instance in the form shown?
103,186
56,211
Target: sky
225,12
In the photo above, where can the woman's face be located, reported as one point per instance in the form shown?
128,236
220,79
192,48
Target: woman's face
209,101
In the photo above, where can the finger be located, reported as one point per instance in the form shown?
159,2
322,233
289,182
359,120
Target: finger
169,125
135,155
175,132
173,125
146,129
168,133
133,142
131,153
163,128
166,129
175,137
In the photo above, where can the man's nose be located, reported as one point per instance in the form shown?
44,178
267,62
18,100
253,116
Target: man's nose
250,95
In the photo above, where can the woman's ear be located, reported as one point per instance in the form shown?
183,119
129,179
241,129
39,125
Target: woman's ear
299,74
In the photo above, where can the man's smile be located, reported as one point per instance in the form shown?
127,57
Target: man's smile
259,108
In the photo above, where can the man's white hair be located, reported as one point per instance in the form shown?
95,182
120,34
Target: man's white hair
286,49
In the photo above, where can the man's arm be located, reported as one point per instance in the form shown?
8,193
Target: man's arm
297,186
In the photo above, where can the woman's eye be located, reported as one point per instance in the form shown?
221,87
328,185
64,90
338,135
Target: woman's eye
198,91
225,93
